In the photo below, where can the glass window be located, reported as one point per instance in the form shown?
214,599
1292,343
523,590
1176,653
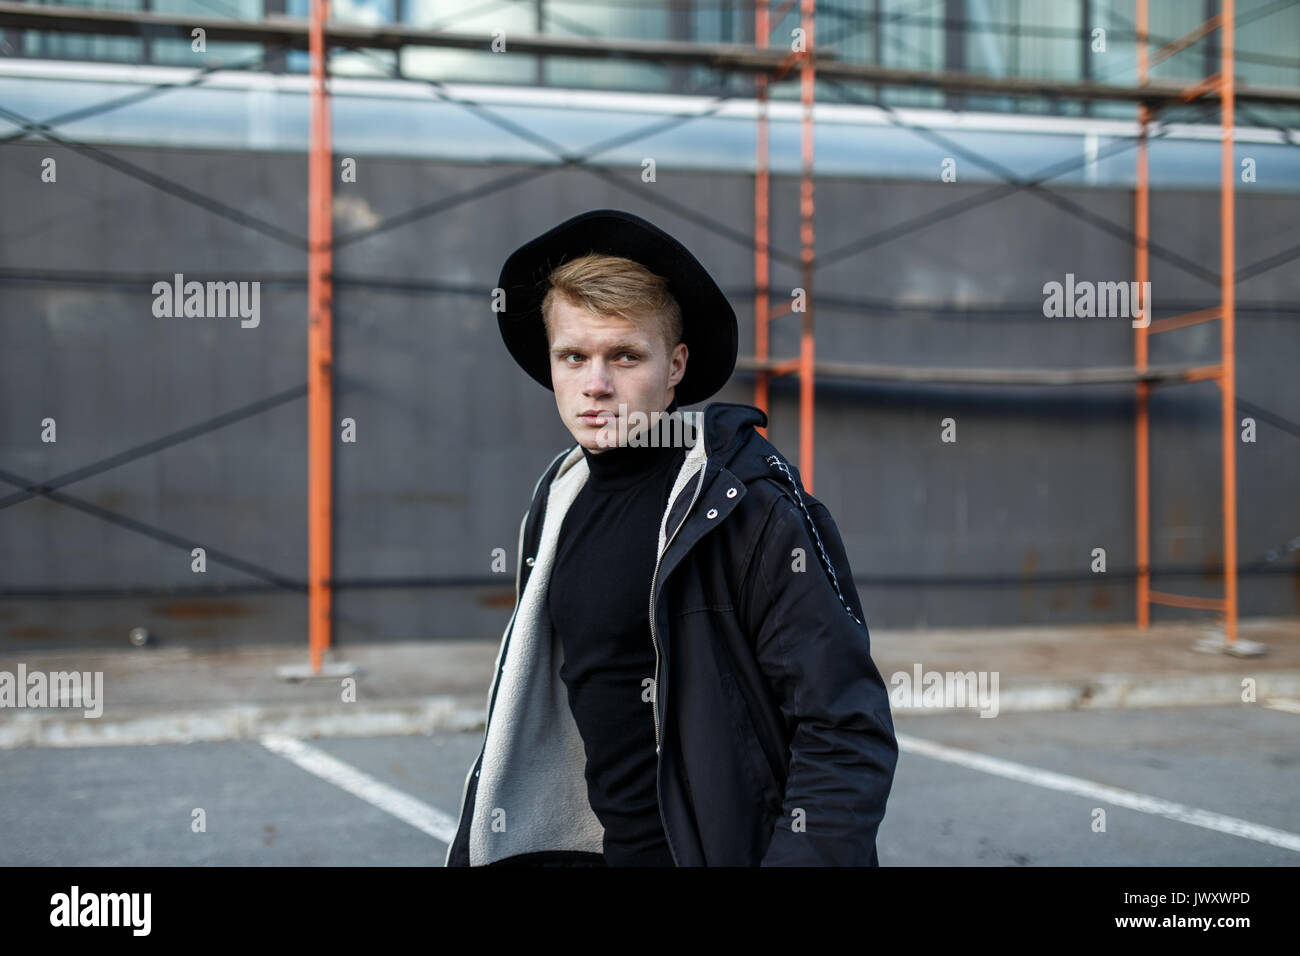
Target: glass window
72,46
180,51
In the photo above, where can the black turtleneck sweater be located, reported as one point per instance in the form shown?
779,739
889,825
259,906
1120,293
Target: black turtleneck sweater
599,597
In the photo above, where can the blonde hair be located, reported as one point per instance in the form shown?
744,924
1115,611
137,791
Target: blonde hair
613,285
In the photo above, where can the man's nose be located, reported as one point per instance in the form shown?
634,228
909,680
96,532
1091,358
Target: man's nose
597,379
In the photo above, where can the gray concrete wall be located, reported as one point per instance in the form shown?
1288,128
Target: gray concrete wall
997,528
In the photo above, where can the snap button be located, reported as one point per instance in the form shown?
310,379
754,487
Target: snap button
731,492
712,513
530,561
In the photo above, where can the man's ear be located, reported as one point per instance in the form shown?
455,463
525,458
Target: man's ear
680,354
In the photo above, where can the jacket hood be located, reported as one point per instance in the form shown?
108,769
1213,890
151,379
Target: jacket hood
730,439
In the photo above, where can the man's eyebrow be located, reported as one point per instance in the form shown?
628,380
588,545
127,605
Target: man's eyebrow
619,347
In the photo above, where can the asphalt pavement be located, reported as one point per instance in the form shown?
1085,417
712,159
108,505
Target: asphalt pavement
1101,746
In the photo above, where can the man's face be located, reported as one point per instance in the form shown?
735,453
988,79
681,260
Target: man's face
603,362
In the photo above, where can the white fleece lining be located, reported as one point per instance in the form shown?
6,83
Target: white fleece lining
695,457
534,762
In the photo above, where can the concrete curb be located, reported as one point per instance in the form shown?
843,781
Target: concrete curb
1119,691
50,727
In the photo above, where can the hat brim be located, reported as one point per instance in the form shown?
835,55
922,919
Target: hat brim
708,321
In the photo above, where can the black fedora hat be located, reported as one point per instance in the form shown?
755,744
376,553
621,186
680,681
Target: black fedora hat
708,321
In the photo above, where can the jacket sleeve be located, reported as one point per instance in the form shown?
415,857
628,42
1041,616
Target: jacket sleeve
816,659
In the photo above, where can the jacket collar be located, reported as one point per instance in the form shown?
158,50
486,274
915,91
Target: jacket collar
712,479
725,446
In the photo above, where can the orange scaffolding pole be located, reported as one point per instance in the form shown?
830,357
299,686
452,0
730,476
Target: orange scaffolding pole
804,366
1141,226
762,229
1225,372
807,87
320,349
1228,269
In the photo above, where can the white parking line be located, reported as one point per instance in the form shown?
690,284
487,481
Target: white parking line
401,805
1284,704
442,827
1098,791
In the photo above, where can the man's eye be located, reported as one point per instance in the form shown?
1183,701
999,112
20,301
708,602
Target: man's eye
569,355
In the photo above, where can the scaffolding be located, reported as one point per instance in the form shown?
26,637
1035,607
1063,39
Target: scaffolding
767,66
1223,84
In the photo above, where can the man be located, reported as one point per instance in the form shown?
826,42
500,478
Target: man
686,679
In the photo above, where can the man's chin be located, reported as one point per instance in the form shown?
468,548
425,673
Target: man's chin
598,439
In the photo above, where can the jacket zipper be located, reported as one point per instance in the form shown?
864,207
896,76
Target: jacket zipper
698,486
510,625
654,704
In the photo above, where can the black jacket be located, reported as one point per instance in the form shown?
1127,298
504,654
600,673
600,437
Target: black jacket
776,743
